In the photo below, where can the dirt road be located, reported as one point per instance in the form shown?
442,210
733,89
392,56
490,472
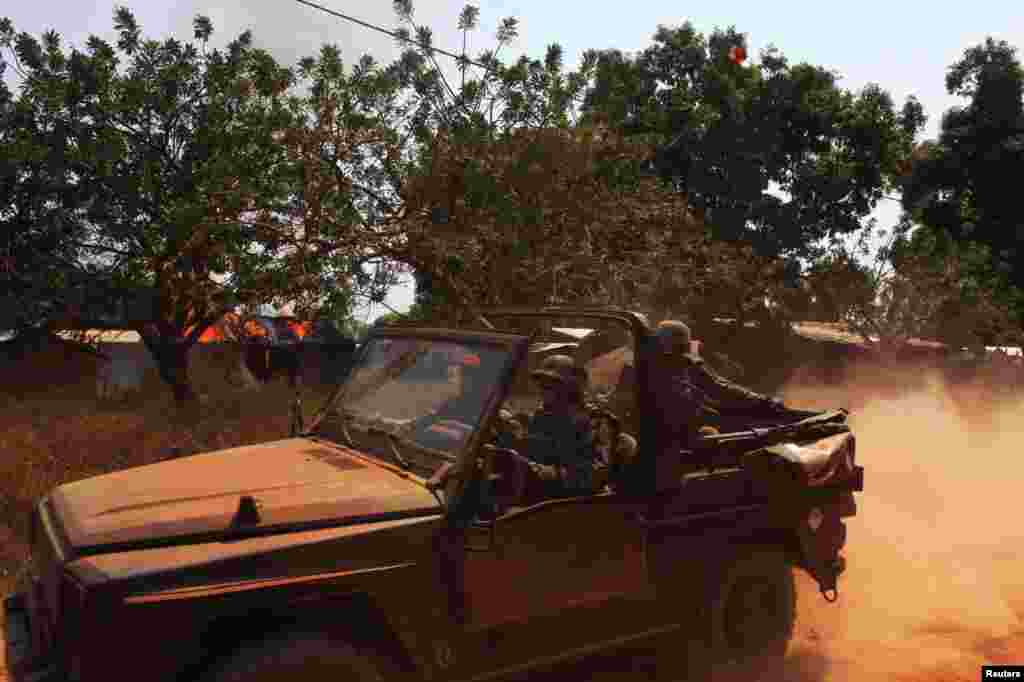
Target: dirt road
935,586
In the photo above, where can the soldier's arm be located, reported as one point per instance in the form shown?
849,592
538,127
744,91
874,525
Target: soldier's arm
728,395
579,466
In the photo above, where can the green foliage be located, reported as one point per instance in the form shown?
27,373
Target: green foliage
38,197
921,284
198,175
958,184
740,131
163,149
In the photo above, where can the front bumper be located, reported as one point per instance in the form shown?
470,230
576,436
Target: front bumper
23,663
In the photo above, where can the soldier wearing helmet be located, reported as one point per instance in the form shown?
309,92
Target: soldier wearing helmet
560,440
690,393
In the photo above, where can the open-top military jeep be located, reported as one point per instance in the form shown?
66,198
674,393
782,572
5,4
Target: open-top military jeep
328,553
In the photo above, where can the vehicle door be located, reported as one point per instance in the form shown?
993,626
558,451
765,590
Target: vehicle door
555,576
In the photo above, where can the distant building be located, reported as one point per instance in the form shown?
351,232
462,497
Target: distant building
242,351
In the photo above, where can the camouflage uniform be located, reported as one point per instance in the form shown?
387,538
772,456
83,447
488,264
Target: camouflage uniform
690,394
562,443
560,439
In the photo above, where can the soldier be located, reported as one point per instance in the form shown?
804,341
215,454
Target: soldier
690,393
559,435
559,440
616,449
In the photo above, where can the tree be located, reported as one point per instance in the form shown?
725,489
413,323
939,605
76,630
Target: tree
508,198
956,186
737,136
920,286
839,284
39,257
565,216
412,105
166,169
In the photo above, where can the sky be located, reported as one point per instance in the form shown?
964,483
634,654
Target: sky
905,47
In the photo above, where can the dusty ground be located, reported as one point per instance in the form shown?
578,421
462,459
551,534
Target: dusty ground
934,587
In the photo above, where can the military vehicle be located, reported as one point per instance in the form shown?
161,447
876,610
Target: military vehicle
334,552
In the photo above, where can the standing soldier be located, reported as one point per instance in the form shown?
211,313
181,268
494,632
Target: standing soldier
690,394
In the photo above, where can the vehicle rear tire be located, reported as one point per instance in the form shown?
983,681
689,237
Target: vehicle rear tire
752,611
296,656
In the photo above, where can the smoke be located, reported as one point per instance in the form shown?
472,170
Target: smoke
933,584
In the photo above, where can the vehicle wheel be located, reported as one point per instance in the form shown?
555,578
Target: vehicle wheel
753,610
307,656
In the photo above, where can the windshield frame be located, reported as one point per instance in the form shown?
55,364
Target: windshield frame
515,345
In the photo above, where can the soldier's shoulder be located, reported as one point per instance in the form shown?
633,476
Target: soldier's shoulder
580,418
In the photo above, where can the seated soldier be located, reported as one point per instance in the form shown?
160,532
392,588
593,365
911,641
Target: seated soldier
690,394
560,440
615,448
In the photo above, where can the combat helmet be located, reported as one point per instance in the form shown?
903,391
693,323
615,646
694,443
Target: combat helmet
674,337
563,370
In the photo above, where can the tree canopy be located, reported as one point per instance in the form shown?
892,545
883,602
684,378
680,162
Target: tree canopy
957,186
680,180
159,167
770,154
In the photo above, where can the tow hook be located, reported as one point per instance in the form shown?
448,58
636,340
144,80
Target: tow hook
828,585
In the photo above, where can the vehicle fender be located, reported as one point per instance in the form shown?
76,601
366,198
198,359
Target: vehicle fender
210,622
357,618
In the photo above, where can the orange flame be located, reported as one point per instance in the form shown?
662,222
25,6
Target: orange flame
211,335
222,330
254,328
301,329
217,332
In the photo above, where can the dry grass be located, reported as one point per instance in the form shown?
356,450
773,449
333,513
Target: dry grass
47,439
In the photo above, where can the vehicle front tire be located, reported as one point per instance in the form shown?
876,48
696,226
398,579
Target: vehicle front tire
300,655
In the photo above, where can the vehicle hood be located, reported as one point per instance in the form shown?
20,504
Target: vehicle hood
295,482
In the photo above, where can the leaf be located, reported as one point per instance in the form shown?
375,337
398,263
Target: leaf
403,8
508,30
469,18
127,28
424,36
203,27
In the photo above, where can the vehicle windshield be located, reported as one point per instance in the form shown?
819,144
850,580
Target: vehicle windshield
414,402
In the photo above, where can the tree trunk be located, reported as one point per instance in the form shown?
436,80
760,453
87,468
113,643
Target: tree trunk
171,356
